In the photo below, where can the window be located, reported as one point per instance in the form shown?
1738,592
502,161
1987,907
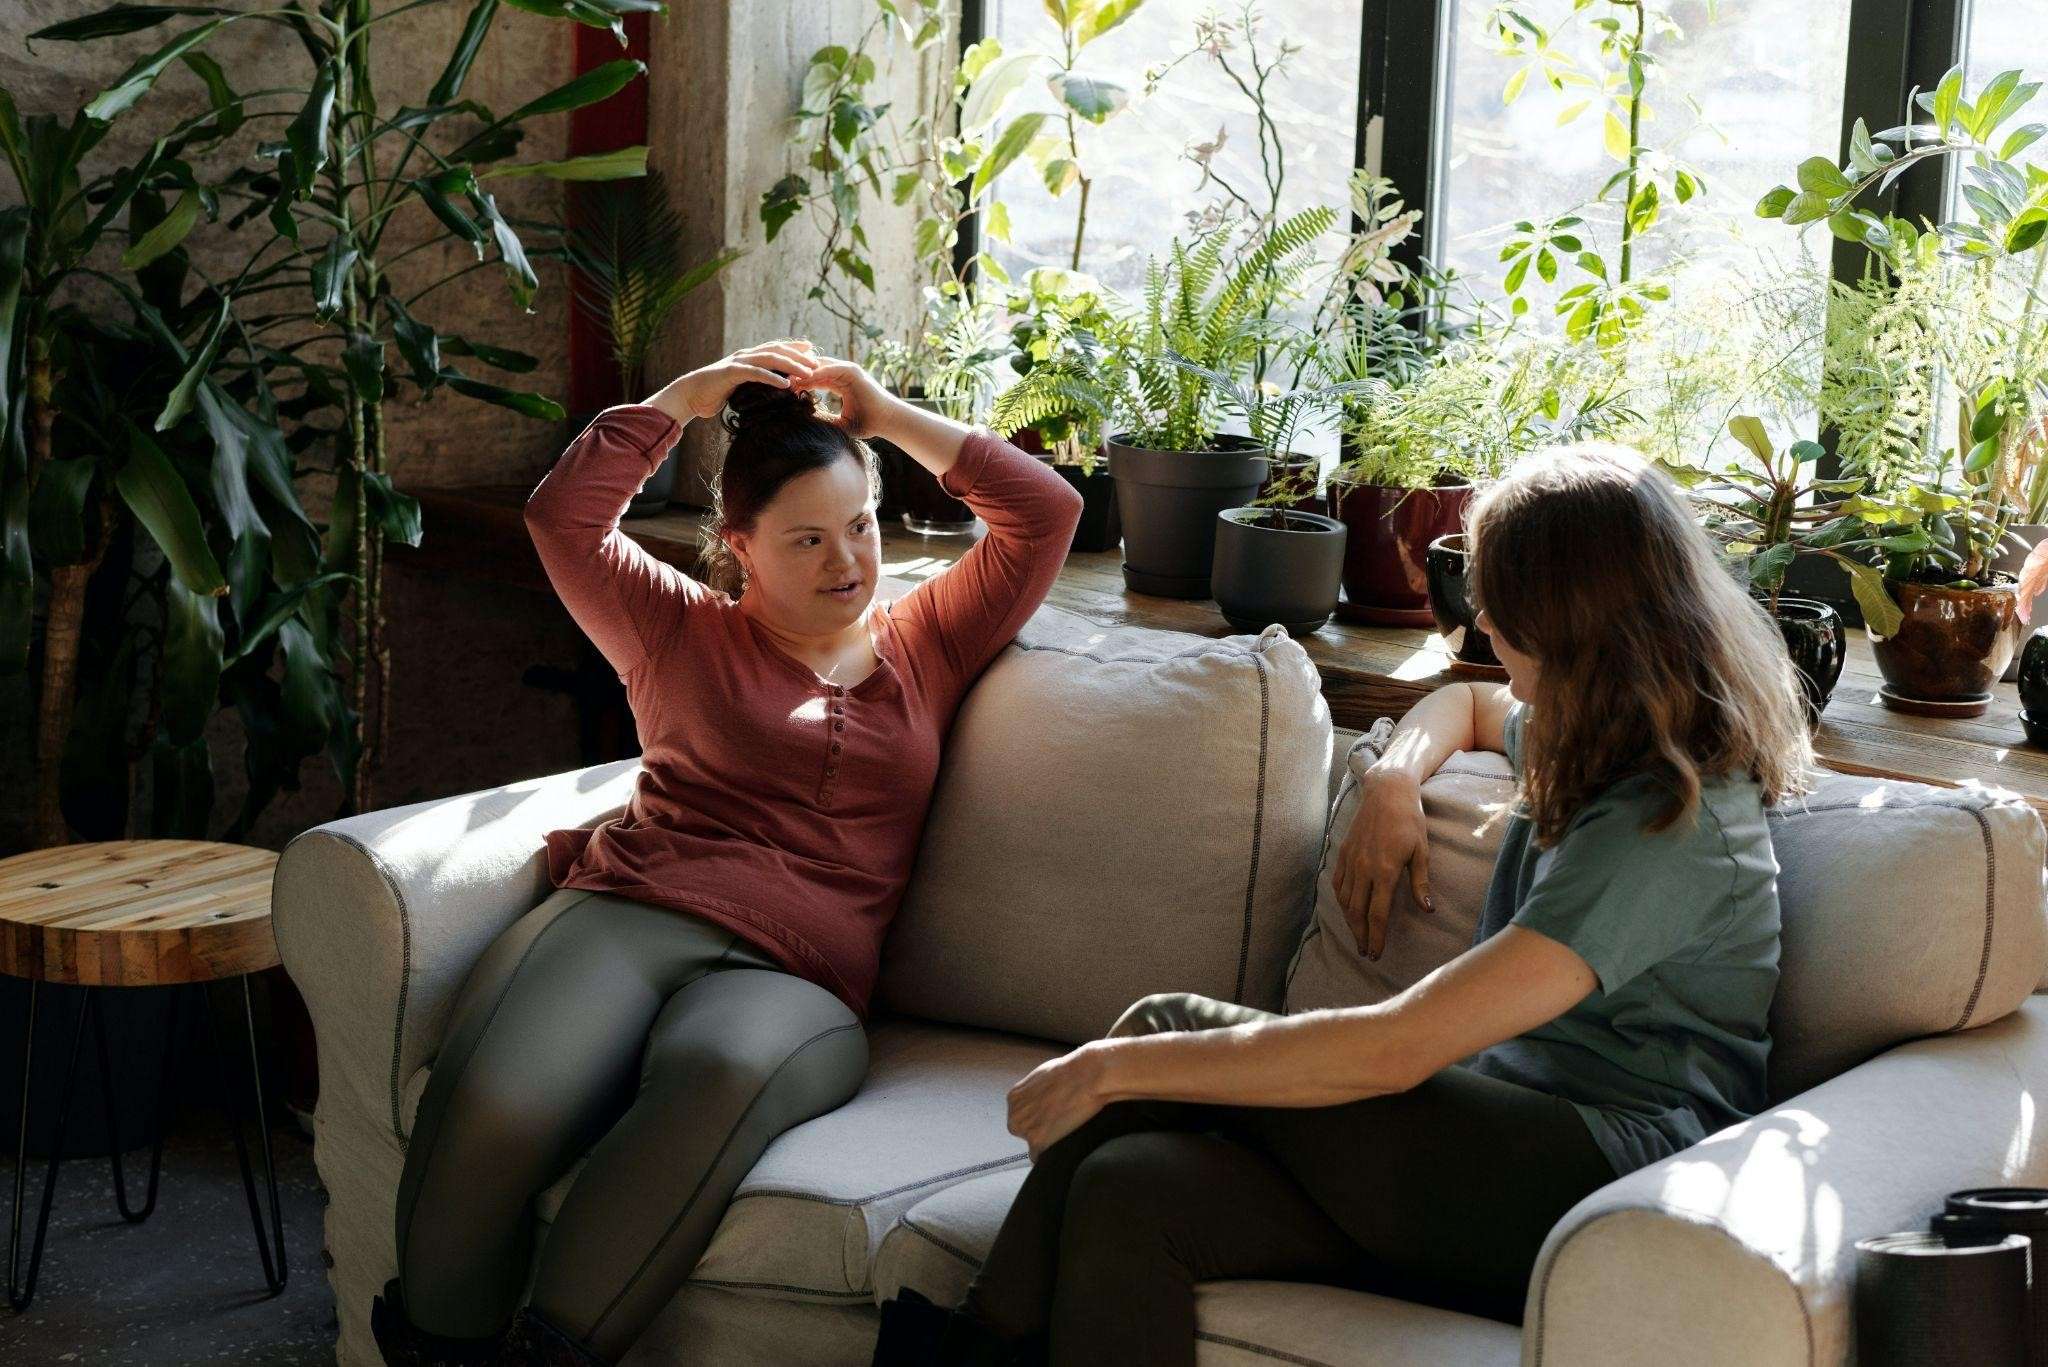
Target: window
1143,186
1740,91
2004,34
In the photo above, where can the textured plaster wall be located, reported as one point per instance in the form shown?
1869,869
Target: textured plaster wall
724,78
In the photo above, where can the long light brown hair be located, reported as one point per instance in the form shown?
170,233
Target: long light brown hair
1651,658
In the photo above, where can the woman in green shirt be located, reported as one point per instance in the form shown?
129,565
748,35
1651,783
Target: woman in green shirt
1612,1009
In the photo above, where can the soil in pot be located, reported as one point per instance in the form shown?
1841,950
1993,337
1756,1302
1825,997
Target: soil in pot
1277,565
1450,606
1169,501
1818,644
1950,649
1386,575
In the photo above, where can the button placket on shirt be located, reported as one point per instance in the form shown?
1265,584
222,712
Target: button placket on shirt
833,745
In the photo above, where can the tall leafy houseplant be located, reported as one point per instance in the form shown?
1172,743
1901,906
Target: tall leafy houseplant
845,143
1610,295
322,205
1935,380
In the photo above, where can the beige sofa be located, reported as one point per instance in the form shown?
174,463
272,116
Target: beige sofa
1125,812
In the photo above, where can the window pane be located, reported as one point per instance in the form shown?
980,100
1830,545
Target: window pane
2005,34
1767,79
1143,187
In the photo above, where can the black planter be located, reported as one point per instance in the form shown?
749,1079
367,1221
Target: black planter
1818,645
1287,573
1450,603
2033,681
1101,527
1169,501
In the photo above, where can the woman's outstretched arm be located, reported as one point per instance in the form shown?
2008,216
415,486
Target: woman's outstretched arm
621,596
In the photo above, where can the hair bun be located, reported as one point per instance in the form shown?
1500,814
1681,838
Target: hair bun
754,406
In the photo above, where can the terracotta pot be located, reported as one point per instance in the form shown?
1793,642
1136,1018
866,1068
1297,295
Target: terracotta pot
1286,574
1169,500
1386,574
1450,605
1815,640
1951,648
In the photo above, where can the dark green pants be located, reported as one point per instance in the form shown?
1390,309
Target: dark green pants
665,1047
1442,1194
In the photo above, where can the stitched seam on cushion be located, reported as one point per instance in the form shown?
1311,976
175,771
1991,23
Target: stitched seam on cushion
1193,652
1277,1354
503,992
936,1242
778,1286
705,1177
1990,918
404,973
1315,920
1557,1255
1251,881
990,1166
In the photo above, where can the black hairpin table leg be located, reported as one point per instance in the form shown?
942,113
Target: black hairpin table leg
21,1290
274,1270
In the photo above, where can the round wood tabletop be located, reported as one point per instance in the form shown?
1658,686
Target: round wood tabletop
136,913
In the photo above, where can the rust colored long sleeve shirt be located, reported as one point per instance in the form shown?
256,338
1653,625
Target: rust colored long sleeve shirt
782,807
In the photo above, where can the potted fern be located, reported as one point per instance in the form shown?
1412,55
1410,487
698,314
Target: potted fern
623,238
1934,369
1147,377
1058,318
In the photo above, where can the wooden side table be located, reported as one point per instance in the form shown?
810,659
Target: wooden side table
138,913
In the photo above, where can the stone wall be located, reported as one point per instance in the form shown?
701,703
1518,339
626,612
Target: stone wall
724,78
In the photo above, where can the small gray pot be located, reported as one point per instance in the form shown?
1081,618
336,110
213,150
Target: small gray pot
1267,574
1169,501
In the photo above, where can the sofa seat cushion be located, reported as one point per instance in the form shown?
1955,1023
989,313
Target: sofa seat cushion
807,1221
939,1243
1121,811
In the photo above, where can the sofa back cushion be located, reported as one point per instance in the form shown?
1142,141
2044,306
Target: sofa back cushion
1908,910
1120,811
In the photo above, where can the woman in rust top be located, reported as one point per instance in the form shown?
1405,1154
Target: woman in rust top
698,981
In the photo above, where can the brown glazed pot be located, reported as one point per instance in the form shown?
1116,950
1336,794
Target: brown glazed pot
1386,571
1950,649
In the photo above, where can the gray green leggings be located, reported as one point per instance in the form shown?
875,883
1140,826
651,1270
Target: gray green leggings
1441,1194
663,1045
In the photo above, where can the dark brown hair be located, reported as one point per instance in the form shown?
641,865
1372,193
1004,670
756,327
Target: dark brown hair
776,436
1651,658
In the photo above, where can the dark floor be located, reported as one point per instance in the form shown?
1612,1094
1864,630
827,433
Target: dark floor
185,1287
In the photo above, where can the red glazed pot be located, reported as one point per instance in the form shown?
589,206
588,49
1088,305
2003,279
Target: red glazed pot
1386,571
1950,649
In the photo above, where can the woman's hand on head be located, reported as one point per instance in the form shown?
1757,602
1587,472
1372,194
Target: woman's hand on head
785,363
861,401
1388,837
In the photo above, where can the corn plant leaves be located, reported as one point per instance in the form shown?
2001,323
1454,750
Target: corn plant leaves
155,492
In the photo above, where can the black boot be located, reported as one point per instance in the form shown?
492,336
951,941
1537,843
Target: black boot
917,1333
534,1340
404,1346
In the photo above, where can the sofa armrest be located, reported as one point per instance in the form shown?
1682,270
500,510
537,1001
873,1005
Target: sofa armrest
380,916
1741,1249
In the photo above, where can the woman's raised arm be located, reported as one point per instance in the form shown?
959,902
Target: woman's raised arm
621,596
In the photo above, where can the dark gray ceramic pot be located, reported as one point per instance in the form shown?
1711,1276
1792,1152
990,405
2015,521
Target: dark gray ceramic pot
1288,574
1169,501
